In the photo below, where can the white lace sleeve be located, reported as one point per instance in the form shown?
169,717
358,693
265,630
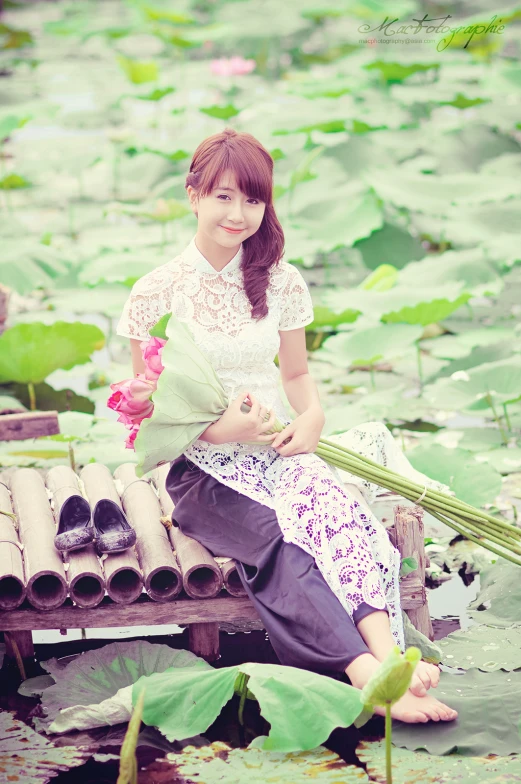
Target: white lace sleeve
297,306
150,298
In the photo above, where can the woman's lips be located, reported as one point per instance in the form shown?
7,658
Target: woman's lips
232,231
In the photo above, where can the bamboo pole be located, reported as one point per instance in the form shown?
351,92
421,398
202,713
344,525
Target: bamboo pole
232,581
202,577
161,574
12,578
84,573
44,572
123,578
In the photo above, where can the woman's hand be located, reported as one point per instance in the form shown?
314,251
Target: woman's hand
304,432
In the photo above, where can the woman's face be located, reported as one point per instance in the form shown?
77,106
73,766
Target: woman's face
227,207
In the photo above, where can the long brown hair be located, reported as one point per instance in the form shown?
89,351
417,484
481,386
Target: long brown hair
252,166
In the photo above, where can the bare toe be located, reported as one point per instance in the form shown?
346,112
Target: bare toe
418,687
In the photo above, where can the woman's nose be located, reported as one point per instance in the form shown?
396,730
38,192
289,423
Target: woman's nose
235,213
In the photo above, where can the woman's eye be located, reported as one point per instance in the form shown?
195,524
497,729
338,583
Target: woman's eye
224,195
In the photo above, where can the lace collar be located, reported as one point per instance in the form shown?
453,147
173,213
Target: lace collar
195,258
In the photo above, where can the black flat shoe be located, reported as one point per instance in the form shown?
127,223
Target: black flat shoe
113,532
75,526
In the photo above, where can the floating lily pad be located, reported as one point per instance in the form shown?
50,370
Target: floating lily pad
220,763
488,716
27,757
97,675
484,647
411,767
498,602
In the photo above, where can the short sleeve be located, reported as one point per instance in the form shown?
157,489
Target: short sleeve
296,304
149,300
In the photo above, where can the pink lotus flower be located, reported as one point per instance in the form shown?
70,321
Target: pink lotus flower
131,399
233,66
129,443
152,350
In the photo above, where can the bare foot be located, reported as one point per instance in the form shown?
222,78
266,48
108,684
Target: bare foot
413,709
425,676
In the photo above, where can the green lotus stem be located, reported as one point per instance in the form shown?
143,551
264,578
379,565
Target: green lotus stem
32,396
412,496
388,744
472,538
8,514
386,479
507,418
413,491
244,691
462,505
497,418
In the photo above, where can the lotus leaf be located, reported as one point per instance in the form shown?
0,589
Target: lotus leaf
485,647
420,768
27,757
488,716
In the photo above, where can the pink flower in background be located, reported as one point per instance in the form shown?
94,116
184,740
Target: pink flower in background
131,399
233,66
152,350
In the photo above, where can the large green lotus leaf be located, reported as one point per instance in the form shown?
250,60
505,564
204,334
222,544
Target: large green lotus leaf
260,19
479,355
410,304
108,300
411,767
435,194
478,439
446,347
426,312
473,482
97,675
346,223
26,264
27,757
189,397
368,346
484,647
462,224
49,399
469,267
218,762
123,268
30,352
390,245
488,716
498,602
302,707
502,380
506,461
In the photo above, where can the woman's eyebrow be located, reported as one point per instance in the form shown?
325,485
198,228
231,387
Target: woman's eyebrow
225,189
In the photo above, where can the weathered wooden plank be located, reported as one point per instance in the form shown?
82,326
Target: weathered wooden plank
408,525
203,640
143,612
12,578
44,572
163,580
29,424
123,578
84,573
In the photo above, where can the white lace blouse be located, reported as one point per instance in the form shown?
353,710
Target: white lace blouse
217,312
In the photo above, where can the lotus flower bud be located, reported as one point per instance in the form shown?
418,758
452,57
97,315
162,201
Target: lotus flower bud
392,679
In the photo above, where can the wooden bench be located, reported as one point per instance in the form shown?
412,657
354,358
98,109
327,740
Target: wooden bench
167,578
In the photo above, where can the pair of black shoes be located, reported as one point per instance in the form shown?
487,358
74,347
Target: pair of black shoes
107,526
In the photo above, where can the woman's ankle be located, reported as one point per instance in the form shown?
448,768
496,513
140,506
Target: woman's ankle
360,669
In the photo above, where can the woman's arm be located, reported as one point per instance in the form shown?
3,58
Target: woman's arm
138,363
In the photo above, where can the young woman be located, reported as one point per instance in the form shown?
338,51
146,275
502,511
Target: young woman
312,557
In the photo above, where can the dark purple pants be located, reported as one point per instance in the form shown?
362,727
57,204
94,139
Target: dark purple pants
306,623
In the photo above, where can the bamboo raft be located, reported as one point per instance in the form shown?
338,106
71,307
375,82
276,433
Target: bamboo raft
165,578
